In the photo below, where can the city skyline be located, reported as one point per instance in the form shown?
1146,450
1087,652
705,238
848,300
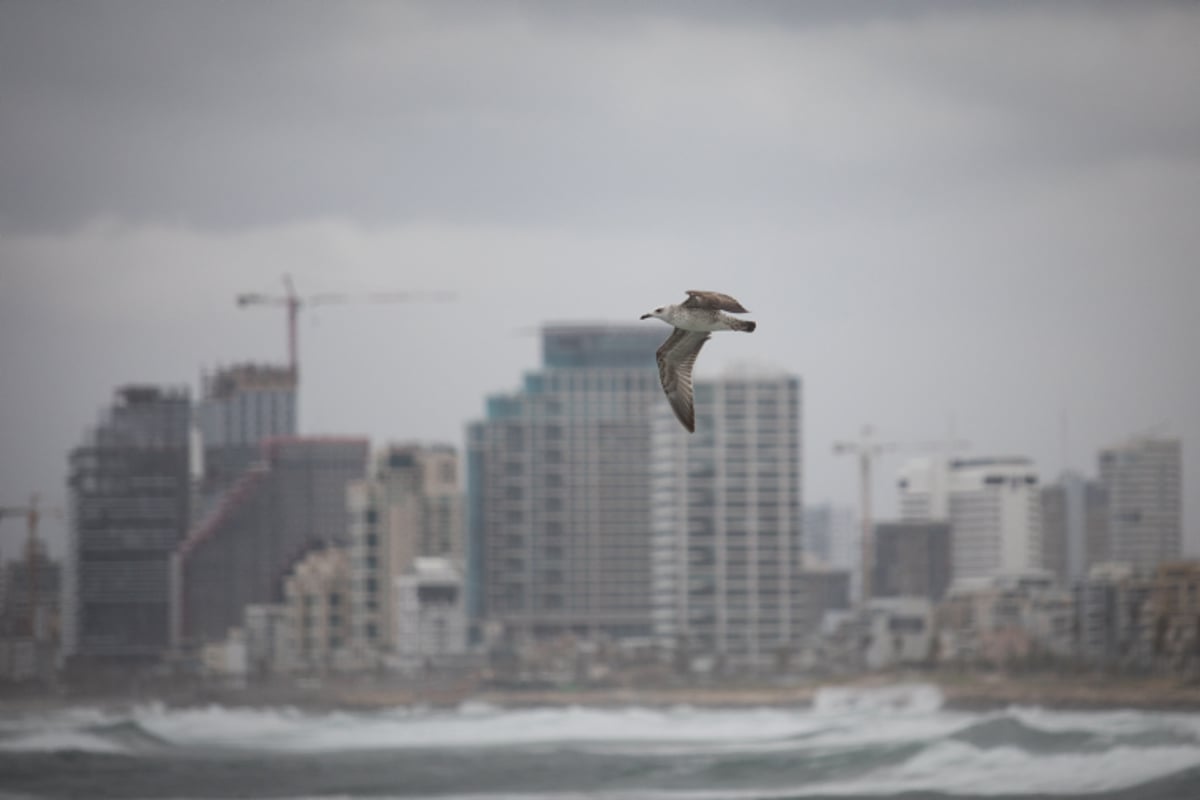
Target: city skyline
921,240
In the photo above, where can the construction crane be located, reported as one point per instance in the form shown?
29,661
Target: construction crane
294,302
32,514
867,450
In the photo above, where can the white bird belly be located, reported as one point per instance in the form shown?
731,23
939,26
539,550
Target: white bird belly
699,320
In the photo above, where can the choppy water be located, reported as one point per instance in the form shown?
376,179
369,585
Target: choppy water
896,742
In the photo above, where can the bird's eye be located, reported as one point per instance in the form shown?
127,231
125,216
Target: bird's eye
657,310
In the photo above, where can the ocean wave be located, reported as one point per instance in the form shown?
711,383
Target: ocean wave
874,744
60,742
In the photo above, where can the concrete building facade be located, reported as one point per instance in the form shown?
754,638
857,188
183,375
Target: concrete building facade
1005,619
726,521
1074,526
317,596
1143,479
993,506
292,501
832,538
240,407
912,559
558,489
411,507
129,508
431,611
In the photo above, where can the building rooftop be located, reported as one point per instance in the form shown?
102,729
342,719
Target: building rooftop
582,345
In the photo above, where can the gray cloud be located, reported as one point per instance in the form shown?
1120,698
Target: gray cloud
980,215
229,115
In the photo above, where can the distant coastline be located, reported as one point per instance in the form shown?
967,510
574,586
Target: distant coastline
974,691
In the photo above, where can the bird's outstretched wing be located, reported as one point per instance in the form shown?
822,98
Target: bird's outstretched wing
713,300
676,358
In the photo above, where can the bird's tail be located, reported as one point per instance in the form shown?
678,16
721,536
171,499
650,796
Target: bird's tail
747,325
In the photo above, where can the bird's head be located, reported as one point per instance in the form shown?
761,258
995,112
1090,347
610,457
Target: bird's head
658,312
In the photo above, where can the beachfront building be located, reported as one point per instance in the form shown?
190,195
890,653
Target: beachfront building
832,538
912,559
129,504
726,522
993,507
291,502
1142,479
240,407
409,508
431,612
317,596
1173,617
1074,526
1005,619
558,490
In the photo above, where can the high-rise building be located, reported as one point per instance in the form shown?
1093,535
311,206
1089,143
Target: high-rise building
993,506
726,522
1143,480
1074,526
912,559
240,407
832,537
289,503
411,507
129,510
558,489
925,488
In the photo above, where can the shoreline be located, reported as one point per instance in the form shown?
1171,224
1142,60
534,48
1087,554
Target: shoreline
986,694
958,691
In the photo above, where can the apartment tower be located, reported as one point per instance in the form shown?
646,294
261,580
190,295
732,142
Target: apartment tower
558,489
726,521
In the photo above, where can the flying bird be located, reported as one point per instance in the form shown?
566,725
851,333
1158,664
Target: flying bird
694,320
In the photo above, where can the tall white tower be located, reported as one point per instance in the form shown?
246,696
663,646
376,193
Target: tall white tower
992,504
726,522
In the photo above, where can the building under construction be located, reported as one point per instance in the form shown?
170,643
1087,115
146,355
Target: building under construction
282,507
129,489
241,406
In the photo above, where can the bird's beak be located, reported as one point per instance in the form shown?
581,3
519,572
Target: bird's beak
644,316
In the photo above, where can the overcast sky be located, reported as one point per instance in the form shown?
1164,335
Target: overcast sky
978,219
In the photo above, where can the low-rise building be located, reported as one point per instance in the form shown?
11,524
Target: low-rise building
900,632
1110,617
431,611
1173,617
1005,619
225,660
317,597
269,640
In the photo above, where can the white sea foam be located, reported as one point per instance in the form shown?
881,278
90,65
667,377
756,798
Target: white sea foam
842,721
959,767
294,731
60,741
915,698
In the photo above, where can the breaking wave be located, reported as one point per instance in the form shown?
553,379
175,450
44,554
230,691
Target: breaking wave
849,743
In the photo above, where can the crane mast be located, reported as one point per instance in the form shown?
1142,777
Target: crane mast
32,514
293,302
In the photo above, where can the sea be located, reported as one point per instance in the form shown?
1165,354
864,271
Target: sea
894,742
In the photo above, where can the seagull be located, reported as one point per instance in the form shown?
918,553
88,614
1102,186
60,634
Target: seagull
694,320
